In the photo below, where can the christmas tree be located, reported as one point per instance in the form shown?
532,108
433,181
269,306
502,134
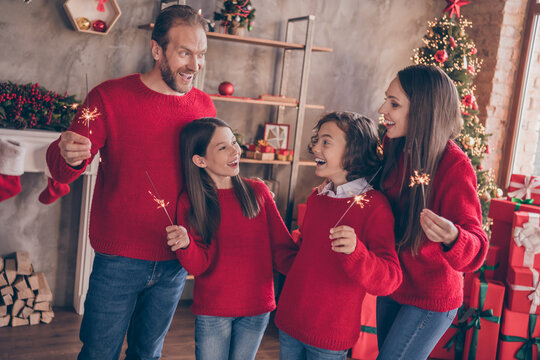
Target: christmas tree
236,12
448,46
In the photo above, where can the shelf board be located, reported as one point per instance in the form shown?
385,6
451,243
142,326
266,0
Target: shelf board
277,162
252,40
264,42
261,102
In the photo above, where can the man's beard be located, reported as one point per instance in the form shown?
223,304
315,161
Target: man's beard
168,76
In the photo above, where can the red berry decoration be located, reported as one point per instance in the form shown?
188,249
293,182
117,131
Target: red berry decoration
468,100
226,88
487,149
473,51
441,56
471,69
99,26
453,43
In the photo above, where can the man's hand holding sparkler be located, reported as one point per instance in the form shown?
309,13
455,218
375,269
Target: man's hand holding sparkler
345,239
437,228
74,148
177,237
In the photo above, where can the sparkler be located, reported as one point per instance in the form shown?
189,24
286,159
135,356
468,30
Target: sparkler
88,115
361,199
422,179
161,203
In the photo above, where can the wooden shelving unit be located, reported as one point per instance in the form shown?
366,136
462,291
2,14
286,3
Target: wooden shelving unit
288,46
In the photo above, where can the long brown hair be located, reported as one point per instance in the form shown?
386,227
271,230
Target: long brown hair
205,214
434,119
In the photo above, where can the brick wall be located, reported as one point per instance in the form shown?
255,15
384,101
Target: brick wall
497,31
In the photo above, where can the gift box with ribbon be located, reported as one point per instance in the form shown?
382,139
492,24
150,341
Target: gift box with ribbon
491,270
523,290
453,340
525,246
483,320
366,346
502,213
520,336
524,187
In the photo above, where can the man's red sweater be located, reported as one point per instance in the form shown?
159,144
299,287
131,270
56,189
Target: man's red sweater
233,275
433,279
321,301
138,130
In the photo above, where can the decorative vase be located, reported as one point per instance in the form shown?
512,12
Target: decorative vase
236,29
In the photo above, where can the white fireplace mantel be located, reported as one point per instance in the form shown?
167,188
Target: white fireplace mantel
35,143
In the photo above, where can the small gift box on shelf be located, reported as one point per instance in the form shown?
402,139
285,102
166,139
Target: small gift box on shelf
524,187
296,234
366,346
284,154
523,290
92,16
520,336
483,319
525,246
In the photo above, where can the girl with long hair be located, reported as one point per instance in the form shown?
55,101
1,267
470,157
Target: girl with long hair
230,236
438,226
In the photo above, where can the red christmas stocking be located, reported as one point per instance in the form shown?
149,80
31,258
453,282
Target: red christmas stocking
10,185
53,191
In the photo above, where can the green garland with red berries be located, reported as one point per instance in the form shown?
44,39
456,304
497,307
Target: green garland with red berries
239,12
33,107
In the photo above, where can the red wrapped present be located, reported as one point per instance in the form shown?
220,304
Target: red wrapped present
491,270
520,336
523,290
366,346
252,147
524,187
525,247
301,213
502,213
445,348
483,320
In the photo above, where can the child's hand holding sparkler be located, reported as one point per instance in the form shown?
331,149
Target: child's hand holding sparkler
177,237
345,239
437,228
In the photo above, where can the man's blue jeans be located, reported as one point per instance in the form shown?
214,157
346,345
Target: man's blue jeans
292,349
229,338
408,332
122,293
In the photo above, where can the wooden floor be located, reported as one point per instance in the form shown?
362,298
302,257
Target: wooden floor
59,340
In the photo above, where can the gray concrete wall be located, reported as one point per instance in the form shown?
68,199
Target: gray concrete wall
371,41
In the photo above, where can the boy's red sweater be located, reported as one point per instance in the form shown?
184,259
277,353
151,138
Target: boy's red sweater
233,275
433,279
321,301
138,130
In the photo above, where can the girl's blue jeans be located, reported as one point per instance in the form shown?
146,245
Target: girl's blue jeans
129,295
292,349
408,332
229,338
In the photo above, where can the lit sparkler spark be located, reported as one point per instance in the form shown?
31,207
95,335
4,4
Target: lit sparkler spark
419,178
88,116
360,200
161,203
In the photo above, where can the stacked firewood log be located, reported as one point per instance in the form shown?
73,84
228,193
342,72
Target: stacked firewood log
25,296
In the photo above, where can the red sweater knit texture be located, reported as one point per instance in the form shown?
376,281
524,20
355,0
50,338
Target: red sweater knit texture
433,279
321,301
137,130
234,274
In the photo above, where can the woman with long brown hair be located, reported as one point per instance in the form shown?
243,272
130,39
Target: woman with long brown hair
437,225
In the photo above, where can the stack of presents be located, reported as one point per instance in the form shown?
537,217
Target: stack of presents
499,316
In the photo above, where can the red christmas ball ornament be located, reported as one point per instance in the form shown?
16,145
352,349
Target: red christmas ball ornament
226,88
453,43
441,56
473,51
487,149
99,26
468,100
470,69
480,167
